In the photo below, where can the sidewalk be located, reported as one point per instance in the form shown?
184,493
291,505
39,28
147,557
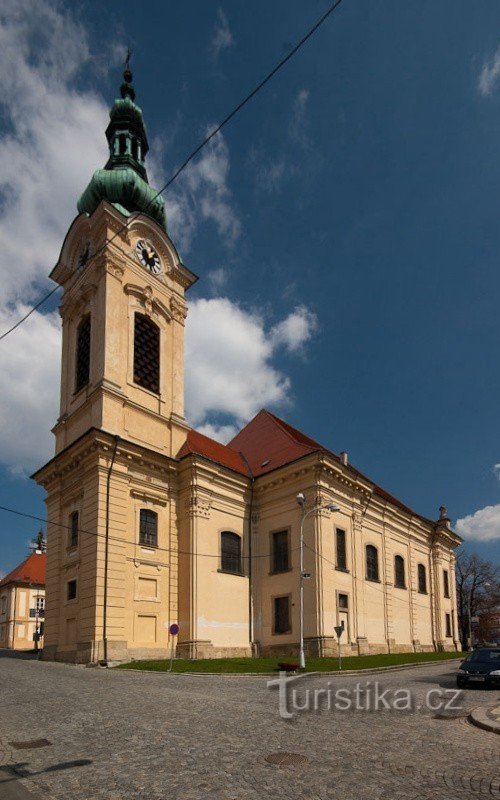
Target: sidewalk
486,717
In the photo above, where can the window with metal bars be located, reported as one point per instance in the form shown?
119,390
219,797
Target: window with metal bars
371,563
230,552
148,527
82,371
146,353
280,551
73,529
282,614
399,572
341,550
422,579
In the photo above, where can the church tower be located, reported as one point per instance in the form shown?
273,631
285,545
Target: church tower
121,420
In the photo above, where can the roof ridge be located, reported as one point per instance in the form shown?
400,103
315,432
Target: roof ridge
287,428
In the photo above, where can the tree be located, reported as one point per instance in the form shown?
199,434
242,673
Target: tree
478,590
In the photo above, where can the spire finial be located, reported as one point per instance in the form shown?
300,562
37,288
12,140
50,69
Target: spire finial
126,89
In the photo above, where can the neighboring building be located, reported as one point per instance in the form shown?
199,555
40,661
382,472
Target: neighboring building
150,522
22,604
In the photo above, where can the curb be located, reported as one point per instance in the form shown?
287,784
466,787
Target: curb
348,672
482,717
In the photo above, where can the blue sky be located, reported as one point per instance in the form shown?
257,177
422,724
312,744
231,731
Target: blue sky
346,226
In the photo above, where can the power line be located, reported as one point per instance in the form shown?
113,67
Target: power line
124,541
197,149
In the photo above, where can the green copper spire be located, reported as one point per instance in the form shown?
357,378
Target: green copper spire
124,180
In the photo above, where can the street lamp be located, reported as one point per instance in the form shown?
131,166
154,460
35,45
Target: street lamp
301,500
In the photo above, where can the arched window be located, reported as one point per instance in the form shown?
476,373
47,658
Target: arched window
82,360
371,563
422,579
134,149
146,353
123,144
399,572
148,527
230,552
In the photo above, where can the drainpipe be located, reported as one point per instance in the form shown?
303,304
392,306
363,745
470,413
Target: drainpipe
250,588
14,617
431,588
104,662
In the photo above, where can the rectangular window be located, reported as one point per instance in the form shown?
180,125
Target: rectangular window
343,602
282,614
40,606
82,372
280,551
146,353
71,590
148,527
341,549
73,529
448,626
446,583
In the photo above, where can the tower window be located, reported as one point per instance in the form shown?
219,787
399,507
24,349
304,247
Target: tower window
134,149
448,626
446,582
422,579
399,572
341,550
123,144
71,590
82,354
230,552
371,563
73,529
148,528
146,353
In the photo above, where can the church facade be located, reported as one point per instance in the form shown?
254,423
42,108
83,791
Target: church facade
152,523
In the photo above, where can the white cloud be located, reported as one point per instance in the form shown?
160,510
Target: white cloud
496,470
294,331
221,433
29,366
490,74
217,278
229,357
482,526
269,176
222,37
202,194
298,123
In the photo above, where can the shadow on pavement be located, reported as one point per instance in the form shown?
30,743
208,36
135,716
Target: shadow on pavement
26,655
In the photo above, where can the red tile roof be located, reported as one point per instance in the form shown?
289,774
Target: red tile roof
202,445
31,570
266,444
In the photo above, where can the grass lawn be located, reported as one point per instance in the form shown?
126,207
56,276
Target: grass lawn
271,664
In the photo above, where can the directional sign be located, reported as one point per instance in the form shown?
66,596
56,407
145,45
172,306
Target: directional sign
174,629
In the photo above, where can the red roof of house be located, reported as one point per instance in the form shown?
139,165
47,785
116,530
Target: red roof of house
265,444
202,445
31,570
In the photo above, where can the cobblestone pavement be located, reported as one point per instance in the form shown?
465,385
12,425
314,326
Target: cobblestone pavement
120,735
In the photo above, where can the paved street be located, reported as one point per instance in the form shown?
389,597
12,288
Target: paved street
117,735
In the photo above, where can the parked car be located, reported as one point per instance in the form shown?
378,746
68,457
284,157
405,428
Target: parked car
480,668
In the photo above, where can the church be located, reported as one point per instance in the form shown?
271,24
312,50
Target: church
151,523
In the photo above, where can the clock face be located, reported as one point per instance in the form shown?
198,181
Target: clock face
148,256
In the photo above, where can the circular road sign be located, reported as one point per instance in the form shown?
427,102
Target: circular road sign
174,629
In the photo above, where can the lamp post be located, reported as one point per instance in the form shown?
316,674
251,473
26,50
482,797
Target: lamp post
301,500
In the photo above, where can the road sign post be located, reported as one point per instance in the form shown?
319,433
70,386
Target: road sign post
339,629
173,630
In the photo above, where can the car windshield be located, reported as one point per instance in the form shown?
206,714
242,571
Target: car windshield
485,656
